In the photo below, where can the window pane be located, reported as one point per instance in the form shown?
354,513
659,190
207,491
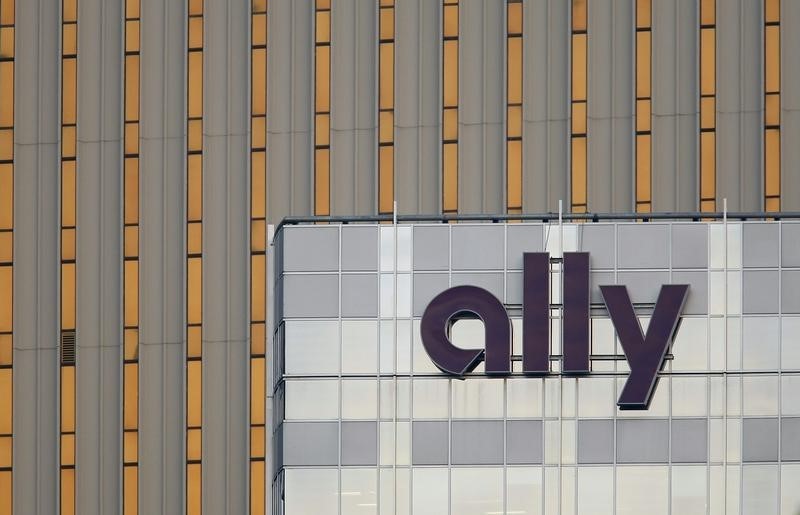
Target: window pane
760,395
476,491
359,346
359,399
430,492
524,397
524,490
688,490
359,491
312,400
642,490
595,490
478,398
310,491
431,398
311,347
643,64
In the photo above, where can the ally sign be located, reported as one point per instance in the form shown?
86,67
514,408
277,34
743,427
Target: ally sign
645,352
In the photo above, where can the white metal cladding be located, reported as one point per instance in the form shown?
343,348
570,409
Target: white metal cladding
371,422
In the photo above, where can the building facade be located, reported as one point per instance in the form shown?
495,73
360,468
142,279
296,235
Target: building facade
147,146
365,423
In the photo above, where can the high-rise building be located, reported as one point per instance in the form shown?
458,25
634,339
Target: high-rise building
163,341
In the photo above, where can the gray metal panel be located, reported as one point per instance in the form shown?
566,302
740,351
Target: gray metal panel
689,246
514,287
689,439
492,282
790,107
545,113
353,112
595,441
310,443
600,242
359,248
359,295
760,244
290,102
162,254
478,247
425,288
697,301
417,106
359,443
760,439
790,439
790,286
790,244
98,289
432,247
310,249
643,286
524,442
598,279
36,193
477,442
429,442
610,106
226,287
760,291
642,246
520,239
481,107
739,104
310,295
675,94
642,441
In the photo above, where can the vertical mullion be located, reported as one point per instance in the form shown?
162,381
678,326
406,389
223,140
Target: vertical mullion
514,78
68,229
386,30
708,107
130,372
322,109
578,92
643,143
7,59
258,256
194,259
772,105
450,68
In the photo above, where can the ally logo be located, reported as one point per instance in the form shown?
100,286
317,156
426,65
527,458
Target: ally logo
645,352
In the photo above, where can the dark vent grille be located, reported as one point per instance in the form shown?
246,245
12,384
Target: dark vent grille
68,348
